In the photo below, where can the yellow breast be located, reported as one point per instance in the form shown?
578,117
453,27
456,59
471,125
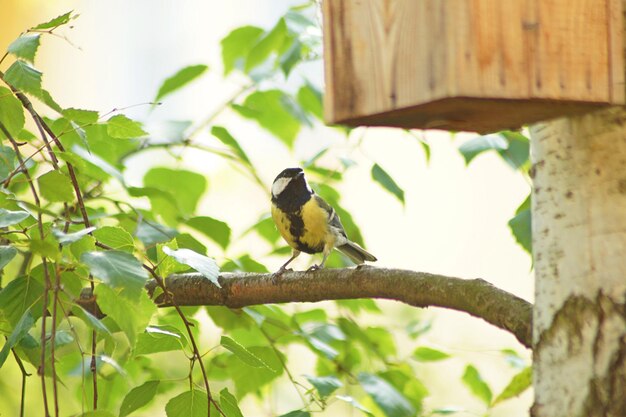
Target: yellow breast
314,232
283,224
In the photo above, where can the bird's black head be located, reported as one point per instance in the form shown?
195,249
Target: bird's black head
291,187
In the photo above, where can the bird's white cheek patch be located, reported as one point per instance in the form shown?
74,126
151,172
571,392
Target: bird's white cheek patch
308,187
279,186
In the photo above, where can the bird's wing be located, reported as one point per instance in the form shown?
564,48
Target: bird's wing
333,218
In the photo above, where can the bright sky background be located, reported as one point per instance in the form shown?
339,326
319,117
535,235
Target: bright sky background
455,219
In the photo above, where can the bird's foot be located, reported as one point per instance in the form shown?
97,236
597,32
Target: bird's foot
314,268
276,276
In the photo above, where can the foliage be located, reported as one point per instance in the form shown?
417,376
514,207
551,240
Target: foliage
63,230
514,149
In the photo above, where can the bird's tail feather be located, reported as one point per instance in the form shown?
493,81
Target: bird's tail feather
357,254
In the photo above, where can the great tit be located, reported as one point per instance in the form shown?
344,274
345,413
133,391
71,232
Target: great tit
307,222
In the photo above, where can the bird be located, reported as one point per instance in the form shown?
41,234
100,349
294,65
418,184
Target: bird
308,223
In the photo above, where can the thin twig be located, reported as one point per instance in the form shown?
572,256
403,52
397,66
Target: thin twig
295,383
196,352
53,332
20,364
21,166
44,262
43,128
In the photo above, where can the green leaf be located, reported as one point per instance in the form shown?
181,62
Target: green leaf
514,359
25,47
242,353
297,22
116,238
192,403
474,147
81,116
216,230
97,413
291,57
187,187
24,77
266,228
120,126
426,354
7,253
56,22
236,46
180,79
390,401
359,305
270,43
132,313
203,264
323,348
159,339
403,379
445,411
354,403
384,179
517,153
521,225
268,108
8,160
229,405
227,139
167,265
163,203
250,379
20,295
100,163
11,113
116,269
21,329
138,397
150,232
310,99
86,244
186,241
45,248
91,320
518,384
296,413
56,187
244,264
479,388
67,238
47,99
8,217
325,385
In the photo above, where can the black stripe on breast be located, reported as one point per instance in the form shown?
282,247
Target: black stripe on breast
297,230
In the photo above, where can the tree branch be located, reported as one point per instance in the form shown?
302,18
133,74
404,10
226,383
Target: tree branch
476,297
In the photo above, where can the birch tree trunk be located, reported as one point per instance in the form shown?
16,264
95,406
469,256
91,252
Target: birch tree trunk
579,244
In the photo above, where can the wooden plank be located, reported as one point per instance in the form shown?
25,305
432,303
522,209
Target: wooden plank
391,55
473,114
571,62
615,23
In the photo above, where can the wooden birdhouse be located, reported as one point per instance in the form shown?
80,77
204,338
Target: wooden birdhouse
473,65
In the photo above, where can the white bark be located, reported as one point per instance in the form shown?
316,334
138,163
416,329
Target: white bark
579,245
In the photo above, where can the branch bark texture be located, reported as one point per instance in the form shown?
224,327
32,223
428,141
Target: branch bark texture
476,297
